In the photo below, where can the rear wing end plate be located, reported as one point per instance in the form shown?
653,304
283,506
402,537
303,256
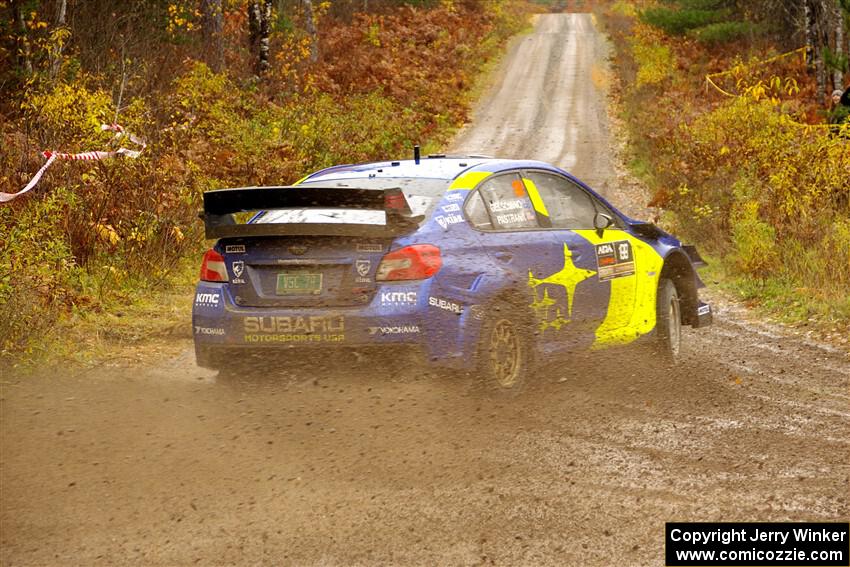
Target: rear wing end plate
221,205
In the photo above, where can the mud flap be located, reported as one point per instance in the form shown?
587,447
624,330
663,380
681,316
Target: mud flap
704,316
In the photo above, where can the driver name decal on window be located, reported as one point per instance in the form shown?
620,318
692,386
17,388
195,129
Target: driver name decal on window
614,260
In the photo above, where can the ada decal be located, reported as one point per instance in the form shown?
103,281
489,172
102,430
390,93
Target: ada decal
398,298
363,267
615,260
445,304
366,247
234,249
208,331
205,299
454,197
238,269
446,220
400,330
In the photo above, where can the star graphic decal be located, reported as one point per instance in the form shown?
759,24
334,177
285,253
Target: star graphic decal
569,278
541,306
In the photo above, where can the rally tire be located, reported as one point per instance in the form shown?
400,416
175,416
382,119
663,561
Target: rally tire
505,353
668,313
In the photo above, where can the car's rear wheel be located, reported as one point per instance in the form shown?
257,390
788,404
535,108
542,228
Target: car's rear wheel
668,315
504,353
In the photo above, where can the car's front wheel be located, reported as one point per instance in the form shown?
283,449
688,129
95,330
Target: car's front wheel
668,315
504,353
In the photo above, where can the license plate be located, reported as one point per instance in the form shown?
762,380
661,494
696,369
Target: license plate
299,284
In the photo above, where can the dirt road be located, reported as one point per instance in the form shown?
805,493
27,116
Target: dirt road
332,463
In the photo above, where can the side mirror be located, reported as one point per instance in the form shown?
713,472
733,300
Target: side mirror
601,221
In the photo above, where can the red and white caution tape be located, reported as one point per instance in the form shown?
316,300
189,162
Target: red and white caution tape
84,156
6,197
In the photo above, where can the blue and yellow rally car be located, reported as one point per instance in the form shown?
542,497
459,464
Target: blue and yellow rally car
484,264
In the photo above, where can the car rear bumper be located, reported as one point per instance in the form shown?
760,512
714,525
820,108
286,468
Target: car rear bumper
399,315
394,316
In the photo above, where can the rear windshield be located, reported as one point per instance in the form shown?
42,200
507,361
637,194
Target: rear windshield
422,196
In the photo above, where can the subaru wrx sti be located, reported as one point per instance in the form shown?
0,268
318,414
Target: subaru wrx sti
481,264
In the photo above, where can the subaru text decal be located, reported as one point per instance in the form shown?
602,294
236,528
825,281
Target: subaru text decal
445,304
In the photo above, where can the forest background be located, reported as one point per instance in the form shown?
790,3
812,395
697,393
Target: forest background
243,92
225,93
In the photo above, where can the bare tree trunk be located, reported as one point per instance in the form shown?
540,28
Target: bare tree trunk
838,75
816,26
265,31
212,14
24,53
807,23
254,27
58,38
259,26
310,25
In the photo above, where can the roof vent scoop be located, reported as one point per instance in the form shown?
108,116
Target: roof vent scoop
416,154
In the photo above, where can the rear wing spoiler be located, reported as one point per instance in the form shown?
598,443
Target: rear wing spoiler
220,206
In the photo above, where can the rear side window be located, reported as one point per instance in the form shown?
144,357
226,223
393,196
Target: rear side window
476,212
568,204
507,203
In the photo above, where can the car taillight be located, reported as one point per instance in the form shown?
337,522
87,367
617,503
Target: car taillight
212,268
417,262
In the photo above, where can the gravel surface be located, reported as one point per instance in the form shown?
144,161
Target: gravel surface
355,461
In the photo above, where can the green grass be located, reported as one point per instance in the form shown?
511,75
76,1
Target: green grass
134,317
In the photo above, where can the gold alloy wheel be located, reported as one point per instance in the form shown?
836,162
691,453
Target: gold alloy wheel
505,353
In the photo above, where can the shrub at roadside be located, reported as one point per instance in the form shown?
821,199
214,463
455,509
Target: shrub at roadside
787,203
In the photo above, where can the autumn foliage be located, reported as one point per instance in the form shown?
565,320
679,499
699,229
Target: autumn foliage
748,168
95,235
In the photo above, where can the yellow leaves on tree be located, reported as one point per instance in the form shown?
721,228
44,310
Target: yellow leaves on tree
69,115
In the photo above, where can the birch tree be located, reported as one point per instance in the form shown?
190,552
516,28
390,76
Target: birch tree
808,33
259,24
840,53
